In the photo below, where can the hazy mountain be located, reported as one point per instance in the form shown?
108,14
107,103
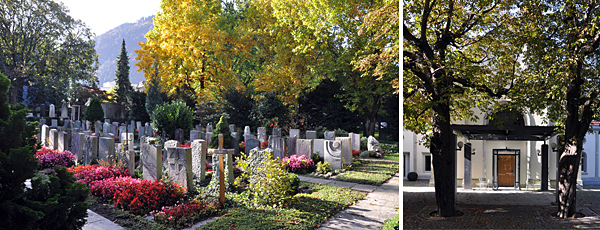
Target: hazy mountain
108,47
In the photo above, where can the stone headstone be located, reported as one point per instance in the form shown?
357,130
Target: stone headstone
87,133
277,132
180,166
262,134
74,113
52,111
199,148
53,139
131,129
106,127
329,135
277,143
232,128
43,110
149,131
355,141
97,127
373,144
90,149
128,139
54,123
88,125
199,128
209,128
291,143
132,123
311,134
128,157
138,124
304,147
122,129
295,133
142,132
251,143
247,130
78,124
78,144
66,124
114,128
62,141
257,159
151,161
63,111
172,144
106,120
194,135
45,135
234,143
179,136
333,154
208,136
319,146
42,121
106,149
346,149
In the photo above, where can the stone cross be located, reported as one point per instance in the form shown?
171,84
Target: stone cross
180,166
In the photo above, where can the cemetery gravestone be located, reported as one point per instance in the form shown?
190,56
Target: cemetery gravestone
53,139
106,149
65,124
107,120
209,128
251,143
42,111
262,134
199,158
346,149
208,136
194,134
295,133
199,128
151,161
234,143
42,121
138,124
149,131
54,123
88,125
356,141
277,132
52,112
329,135
373,144
333,154
232,128
62,138
291,143
319,146
78,144
97,128
247,130
304,147
106,128
45,134
128,139
91,149
180,166
277,143
179,136
63,111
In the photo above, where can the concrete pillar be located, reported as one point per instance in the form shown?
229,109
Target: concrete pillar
467,174
544,186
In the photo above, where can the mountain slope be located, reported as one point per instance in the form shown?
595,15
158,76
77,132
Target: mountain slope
108,46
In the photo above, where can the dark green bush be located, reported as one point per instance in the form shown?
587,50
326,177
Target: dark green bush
94,112
221,128
136,101
367,154
171,116
340,133
412,176
389,148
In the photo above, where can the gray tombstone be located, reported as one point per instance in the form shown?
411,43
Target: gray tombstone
106,149
262,134
291,143
63,111
54,123
333,154
346,149
106,120
151,161
208,136
42,121
45,134
128,157
199,148
62,139
311,134
251,143
90,149
373,144
106,128
42,110
122,129
247,130
131,129
209,128
277,132
319,146
179,136
87,133
329,135
78,124
114,128
53,139
132,123
194,135
277,143
88,125
52,111
128,139
232,128
295,133
180,166
199,128
66,123
138,124
97,127
355,141
234,143
304,147
172,144
78,144
142,132
149,131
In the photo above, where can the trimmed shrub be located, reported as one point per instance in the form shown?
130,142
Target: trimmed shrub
221,128
366,154
323,167
412,176
94,112
171,116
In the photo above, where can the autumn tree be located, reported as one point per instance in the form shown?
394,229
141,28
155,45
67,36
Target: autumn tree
455,52
123,85
562,39
40,43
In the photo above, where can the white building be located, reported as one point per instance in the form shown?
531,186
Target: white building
500,162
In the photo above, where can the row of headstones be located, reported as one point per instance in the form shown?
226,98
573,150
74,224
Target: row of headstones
106,128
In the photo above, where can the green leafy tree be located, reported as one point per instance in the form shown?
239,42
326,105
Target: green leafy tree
320,107
448,50
42,44
221,128
94,112
168,117
154,96
123,85
136,101
238,105
269,107
208,111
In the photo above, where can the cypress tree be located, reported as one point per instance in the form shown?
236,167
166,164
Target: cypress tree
153,97
122,76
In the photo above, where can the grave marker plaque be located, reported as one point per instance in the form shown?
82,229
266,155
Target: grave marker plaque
333,154
180,166
304,147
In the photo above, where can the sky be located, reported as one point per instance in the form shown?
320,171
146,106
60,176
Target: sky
102,16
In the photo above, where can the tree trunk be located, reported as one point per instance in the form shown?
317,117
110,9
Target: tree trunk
443,151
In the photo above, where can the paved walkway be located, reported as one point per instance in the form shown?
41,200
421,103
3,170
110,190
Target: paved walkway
487,209
370,213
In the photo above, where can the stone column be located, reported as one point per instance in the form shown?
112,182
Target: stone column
467,173
544,186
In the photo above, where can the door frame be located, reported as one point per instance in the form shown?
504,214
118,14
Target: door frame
517,175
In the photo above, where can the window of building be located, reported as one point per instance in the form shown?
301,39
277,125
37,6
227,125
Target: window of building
583,162
427,163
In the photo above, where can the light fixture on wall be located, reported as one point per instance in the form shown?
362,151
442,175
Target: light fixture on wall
460,145
473,151
539,152
553,146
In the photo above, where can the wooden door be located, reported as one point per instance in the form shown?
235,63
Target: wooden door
506,170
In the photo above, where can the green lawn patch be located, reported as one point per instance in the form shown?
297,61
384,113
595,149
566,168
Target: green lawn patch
391,156
392,223
305,211
369,172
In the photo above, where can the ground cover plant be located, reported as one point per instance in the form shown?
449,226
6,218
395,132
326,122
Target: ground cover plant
305,210
369,172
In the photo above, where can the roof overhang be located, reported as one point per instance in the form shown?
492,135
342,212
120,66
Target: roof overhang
513,133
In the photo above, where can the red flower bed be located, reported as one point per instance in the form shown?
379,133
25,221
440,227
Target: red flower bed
188,145
49,158
180,215
136,195
355,153
88,173
264,144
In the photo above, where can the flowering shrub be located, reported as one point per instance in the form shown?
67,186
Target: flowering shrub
49,158
188,145
137,195
88,173
297,163
181,214
264,144
355,153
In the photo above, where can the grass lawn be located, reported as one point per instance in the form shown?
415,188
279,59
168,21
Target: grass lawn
369,172
391,156
305,211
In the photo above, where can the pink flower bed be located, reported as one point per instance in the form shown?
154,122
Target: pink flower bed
296,163
89,173
49,158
